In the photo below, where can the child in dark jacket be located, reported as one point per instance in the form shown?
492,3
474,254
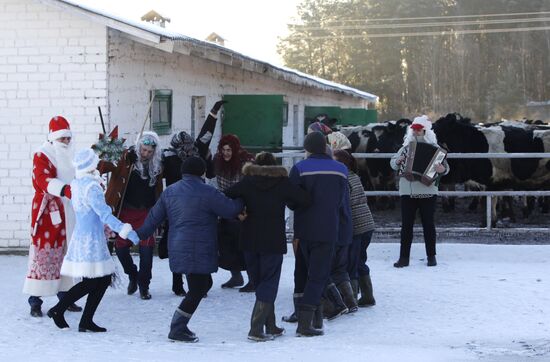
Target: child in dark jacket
265,190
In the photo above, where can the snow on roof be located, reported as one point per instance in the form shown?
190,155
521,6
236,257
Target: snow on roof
290,75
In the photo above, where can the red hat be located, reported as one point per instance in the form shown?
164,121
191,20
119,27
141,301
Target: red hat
417,126
59,127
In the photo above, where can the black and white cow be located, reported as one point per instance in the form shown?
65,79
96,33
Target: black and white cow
460,136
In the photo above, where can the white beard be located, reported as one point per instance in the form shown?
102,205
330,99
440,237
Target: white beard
64,161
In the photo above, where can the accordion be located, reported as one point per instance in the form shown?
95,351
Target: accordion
420,162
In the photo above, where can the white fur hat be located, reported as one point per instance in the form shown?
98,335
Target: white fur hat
424,121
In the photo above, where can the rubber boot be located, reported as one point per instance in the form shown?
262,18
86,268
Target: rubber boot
179,330
293,318
305,320
334,296
347,295
355,288
258,321
270,323
318,318
367,297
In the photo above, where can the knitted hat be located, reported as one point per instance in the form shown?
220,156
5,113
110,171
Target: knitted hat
85,161
315,142
193,166
421,122
338,141
58,127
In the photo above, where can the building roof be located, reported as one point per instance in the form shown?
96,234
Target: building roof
175,42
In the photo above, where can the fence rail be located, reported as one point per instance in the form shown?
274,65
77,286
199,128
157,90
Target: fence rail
487,194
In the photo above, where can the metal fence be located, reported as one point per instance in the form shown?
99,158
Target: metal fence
489,195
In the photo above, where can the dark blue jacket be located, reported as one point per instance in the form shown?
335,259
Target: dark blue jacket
192,209
328,218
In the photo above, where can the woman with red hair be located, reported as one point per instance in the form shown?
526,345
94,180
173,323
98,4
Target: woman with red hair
228,163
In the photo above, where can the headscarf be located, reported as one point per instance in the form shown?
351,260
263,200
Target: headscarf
183,145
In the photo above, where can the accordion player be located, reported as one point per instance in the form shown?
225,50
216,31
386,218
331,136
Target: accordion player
420,162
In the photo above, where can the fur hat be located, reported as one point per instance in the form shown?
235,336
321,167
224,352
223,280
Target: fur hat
85,161
422,122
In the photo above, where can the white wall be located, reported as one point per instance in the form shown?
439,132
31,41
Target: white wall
51,63
135,69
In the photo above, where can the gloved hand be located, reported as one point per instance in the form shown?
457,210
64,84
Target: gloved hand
217,106
66,191
131,156
133,237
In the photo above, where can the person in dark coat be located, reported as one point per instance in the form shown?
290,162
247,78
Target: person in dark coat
265,190
183,146
192,209
317,227
228,163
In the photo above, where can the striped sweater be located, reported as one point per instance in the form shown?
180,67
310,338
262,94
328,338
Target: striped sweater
360,212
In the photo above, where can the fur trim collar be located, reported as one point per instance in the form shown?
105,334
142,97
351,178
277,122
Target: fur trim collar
250,169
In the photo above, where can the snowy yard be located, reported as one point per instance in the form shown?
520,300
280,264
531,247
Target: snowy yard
482,302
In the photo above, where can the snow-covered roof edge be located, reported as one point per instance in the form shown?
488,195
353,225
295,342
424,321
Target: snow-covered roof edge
288,73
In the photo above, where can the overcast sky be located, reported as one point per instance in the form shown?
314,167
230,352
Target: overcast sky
249,26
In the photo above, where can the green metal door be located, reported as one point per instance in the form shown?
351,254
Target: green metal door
311,112
357,116
256,119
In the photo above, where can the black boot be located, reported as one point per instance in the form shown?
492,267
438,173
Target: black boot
36,311
248,288
318,318
305,320
177,285
132,284
179,330
58,317
432,261
293,318
355,288
367,297
236,280
90,326
257,322
333,295
401,263
347,295
74,308
144,293
270,323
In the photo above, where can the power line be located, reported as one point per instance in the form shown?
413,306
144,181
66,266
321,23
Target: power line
365,20
427,25
432,33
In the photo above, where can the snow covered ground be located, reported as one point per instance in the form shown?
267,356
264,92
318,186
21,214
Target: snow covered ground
482,302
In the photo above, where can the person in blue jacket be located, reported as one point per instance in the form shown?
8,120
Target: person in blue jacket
317,227
191,208
88,256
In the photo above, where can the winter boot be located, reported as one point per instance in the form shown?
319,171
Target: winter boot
355,288
432,261
58,318
132,284
333,295
236,280
74,308
178,328
305,320
293,318
90,326
347,295
144,293
367,297
248,288
270,323
36,311
401,263
257,322
318,318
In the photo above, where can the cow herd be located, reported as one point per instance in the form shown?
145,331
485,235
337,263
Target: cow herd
460,135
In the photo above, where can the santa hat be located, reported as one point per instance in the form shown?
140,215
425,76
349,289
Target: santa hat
59,127
421,122
85,161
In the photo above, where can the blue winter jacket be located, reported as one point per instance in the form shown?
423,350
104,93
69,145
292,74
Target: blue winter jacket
328,218
192,209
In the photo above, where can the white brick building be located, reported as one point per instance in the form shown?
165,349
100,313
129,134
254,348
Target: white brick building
57,58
